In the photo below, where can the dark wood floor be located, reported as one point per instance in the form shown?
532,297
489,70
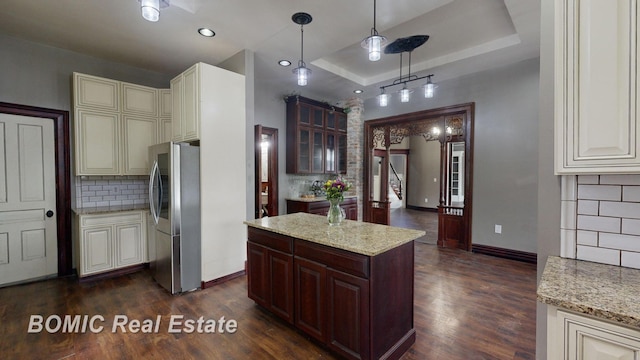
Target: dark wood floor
467,306
417,219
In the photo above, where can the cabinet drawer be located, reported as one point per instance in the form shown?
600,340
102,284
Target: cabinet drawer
110,219
348,262
271,240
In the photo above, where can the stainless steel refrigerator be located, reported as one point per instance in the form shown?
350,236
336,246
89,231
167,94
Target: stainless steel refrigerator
174,200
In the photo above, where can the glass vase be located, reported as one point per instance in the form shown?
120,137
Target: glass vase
335,215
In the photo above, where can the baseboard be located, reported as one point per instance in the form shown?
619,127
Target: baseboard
114,273
214,282
419,208
505,253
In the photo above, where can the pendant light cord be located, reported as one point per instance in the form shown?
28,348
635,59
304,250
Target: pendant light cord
373,30
302,44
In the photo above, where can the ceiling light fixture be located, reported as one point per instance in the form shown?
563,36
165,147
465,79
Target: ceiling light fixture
302,72
151,9
358,91
400,46
374,42
284,62
206,32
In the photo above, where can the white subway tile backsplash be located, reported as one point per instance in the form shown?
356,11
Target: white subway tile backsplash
620,179
588,207
601,255
631,193
600,192
630,259
631,226
587,238
94,191
619,241
620,209
597,223
587,179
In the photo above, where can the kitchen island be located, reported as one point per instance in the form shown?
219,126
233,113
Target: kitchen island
350,287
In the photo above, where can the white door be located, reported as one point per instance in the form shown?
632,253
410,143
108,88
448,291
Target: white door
28,239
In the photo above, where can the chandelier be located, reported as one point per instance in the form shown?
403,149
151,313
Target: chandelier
400,46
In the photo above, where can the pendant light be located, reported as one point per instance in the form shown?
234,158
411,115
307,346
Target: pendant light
429,88
383,99
405,94
302,72
374,42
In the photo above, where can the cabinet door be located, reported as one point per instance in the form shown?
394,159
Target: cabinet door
348,314
176,108
191,104
341,154
590,339
330,153
341,120
139,133
128,245
310,287
281,284
96,92
97,143
258,274
165,102
97,250
317,145
304,150
139,100
165,133
597,87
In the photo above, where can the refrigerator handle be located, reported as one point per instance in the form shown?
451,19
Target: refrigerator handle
152,205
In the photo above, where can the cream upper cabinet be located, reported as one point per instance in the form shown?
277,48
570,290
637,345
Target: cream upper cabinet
96,92
596,87
97,142
185,89
139,100
138,134
164,109
115,123
572,336
164,121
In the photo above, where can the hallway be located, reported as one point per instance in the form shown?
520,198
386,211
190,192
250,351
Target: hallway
417,219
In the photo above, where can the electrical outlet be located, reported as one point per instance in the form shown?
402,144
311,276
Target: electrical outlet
426,200
435,179
114,190
498,229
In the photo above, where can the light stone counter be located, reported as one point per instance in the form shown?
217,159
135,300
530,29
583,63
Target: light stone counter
109,209
606,291
355,236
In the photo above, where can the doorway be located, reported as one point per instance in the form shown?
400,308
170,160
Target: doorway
266,171
62,213
448,131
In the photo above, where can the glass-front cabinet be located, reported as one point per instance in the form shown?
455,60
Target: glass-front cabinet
316,137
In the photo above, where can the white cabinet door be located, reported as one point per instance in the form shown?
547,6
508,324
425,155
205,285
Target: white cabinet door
596,87
139,133
191,104
165,102
95,92
128,249
97,250
176,108
165,126
576,337
97,143
139,100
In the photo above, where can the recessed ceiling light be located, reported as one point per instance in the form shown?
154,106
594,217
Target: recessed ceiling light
206,32
358,91
284,62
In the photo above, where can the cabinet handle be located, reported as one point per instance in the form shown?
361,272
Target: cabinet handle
49,213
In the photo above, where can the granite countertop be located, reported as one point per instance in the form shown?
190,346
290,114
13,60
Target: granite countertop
317,198
606,291
109,209
355,236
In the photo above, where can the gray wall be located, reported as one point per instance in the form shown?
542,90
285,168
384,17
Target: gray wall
424,166
548,184
505,189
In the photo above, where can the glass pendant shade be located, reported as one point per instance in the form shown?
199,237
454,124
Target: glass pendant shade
429,90
302,74
404,95
383,99
150,10
374,44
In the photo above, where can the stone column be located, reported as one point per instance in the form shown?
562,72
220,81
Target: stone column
355,139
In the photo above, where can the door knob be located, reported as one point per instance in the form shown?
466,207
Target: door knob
49,213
